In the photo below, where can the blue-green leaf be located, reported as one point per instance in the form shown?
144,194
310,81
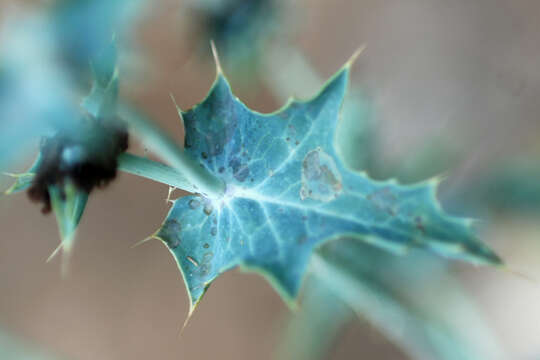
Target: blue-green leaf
83,28
68,203
23,180
288,191
35,94
102,99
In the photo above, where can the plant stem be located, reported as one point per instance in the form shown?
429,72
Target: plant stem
164,146
154,170
383,312
430,333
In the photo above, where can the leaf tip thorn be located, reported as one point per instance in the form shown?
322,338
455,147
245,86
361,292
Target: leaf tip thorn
55,251
143,241
219,70
186,321
171,95
519,274
355,56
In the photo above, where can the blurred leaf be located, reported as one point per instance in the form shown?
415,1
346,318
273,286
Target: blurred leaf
12,348
35,93
511,187
432,158
83,28
37,89
287,192
315,327
240,29
68,203
103,97
357,134
414,300
67,200
23,180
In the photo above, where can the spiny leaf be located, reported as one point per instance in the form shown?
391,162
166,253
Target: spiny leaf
67,200
288,192
23,180
68,203
83,28
101,102
400,296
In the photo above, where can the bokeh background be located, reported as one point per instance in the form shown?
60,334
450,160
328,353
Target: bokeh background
454,82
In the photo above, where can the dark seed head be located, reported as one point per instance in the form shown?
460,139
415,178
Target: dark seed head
87,159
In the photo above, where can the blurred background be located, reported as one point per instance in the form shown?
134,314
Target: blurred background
442,87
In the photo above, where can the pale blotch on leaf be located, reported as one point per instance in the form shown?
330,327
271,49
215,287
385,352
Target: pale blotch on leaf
321,179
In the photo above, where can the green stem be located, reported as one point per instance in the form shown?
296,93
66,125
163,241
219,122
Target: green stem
431,334
128,163
154,170
164,146
382,312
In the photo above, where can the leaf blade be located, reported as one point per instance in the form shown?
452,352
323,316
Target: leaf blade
288,191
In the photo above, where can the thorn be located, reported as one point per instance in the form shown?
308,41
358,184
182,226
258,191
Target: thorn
519,274
294,305
191,310
175,103
473,222
178,110
355,56
143,241
433,183
440,178
219,70
55,251
65,247
171,190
